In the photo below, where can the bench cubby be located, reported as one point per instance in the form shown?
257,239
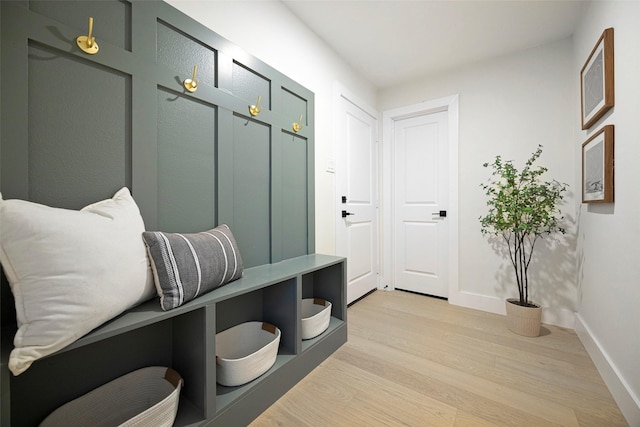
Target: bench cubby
184,339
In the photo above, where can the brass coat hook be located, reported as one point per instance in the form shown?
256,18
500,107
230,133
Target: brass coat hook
254,110
297,126
88,43
191,84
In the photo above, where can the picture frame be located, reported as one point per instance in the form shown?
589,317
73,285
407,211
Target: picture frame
597,167
597,81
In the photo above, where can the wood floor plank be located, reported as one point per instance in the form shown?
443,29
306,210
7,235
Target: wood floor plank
465,419
391,403
435,384
545,408
419,361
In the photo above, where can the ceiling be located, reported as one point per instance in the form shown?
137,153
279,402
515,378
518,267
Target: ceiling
392,41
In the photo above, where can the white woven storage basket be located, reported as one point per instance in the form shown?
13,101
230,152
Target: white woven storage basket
245,351
146,397
316,314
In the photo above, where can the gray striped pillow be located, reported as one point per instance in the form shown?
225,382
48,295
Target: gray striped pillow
186,266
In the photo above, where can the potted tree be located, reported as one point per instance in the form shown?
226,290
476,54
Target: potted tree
523,208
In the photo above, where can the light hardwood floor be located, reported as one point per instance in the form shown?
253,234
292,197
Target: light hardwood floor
418,361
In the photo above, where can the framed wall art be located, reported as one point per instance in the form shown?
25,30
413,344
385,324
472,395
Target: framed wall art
596,81
597,167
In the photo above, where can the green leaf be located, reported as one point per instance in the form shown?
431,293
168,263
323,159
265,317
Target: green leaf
521,208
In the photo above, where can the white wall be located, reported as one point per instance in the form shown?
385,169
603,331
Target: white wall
271,33
609,235
508,106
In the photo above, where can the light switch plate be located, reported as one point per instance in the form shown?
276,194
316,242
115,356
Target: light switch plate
331,165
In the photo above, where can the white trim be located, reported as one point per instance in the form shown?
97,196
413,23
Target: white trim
478,302
628,403
341,92
449,104
558,317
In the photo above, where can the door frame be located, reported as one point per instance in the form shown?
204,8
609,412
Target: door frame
341,93
449,104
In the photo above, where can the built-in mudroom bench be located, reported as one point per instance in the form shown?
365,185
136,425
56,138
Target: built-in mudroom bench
184,338
135,98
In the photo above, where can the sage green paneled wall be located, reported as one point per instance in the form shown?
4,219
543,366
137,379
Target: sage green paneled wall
85,125
75,128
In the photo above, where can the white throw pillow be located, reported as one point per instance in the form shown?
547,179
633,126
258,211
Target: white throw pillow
70,271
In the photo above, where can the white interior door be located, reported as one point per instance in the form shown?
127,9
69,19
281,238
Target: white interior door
357,193
420,202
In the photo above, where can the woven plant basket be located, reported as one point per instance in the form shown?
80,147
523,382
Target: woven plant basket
316,314
146,397
245,351
524,321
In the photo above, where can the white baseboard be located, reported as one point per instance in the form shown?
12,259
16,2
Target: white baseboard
628,403
558,317
477,302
